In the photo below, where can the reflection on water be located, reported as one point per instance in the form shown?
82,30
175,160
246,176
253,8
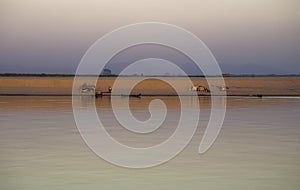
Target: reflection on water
258,147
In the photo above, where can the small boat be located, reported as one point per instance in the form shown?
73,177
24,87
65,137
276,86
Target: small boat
133,95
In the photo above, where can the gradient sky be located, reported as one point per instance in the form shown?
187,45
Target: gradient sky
51,36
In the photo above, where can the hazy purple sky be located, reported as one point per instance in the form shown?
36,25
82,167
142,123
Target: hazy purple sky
51,36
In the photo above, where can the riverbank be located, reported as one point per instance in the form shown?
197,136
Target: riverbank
237,86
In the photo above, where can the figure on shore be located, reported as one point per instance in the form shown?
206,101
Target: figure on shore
200,88
87,88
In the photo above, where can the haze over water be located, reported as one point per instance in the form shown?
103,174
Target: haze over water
258,147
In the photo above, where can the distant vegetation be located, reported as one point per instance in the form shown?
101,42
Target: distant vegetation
114,75
43,75
34,75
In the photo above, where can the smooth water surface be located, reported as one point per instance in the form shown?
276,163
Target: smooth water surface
257,148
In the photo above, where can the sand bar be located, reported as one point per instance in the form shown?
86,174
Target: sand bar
237,86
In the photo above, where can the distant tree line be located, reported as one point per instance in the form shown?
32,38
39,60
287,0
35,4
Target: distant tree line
115,75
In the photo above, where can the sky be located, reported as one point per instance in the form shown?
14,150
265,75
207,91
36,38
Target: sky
246,37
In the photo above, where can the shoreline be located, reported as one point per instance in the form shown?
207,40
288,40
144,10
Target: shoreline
163,95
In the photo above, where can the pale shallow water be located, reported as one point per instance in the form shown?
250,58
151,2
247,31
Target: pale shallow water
257,148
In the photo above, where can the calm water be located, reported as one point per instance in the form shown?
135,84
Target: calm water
258,147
